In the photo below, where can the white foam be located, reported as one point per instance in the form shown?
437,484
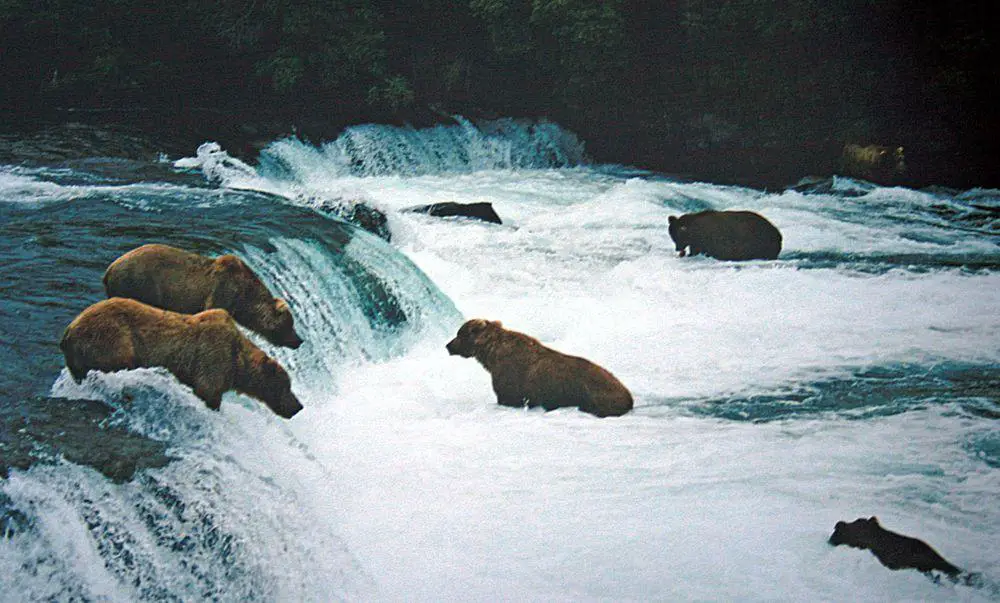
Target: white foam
18,185
449,497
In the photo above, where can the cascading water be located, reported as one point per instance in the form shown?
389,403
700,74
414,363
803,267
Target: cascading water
189,532
856,375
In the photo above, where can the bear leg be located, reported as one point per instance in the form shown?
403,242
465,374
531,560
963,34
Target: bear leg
114,354
77,373
211,398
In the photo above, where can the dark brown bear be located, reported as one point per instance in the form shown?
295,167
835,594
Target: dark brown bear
893,550
525,372
725,235
205,351
174,279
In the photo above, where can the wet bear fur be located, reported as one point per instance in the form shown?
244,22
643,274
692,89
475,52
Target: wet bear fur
725,235
180,281
205,351
893,550
525,372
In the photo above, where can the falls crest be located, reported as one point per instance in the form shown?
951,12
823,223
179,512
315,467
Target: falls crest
379,150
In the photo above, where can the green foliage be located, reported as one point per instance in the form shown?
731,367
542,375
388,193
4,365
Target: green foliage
313,45
394,93
590,45
576,51
768,70
284,70
507,22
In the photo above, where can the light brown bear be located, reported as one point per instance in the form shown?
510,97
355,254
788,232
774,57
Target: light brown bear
525,372
177,280
205,351
876,163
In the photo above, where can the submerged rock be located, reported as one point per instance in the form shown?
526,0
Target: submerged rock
45,429
479,211
360,214
832,185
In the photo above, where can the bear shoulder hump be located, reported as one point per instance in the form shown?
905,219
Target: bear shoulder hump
229,262
212,317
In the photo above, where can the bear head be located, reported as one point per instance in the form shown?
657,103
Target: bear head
678,229
269,382
278,325
471,337
860,533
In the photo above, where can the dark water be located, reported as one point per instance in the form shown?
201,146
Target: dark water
972,390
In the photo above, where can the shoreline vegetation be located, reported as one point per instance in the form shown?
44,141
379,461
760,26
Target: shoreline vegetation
757,93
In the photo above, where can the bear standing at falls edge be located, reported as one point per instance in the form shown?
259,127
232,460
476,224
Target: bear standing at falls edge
177,280
205,351
525,372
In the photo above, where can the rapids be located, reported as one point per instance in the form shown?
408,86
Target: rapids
857,375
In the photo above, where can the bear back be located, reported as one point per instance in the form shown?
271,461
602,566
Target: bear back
893,550
185,282
526,373
205,351
725,235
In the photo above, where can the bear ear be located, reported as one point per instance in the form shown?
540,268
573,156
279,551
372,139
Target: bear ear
671,219
259,360
873,520
232,264
496,323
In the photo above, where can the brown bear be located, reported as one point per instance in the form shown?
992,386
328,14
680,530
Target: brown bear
525,372
893,550
177,280
205,351
876,163
725,235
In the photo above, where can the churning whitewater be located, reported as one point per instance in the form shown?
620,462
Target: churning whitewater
856,375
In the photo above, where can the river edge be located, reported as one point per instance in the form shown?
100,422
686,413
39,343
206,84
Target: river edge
53,136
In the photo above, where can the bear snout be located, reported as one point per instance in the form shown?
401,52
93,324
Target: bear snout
286,338
288,407
293,342
455,347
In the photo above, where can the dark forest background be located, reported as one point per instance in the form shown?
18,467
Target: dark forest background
753,91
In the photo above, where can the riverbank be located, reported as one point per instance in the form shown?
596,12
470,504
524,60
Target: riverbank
722,153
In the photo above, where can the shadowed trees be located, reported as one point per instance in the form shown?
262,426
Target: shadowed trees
734,87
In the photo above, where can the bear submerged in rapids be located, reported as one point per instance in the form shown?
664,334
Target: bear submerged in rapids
875,163
180,281
525,372
893,550
205,351
725,235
